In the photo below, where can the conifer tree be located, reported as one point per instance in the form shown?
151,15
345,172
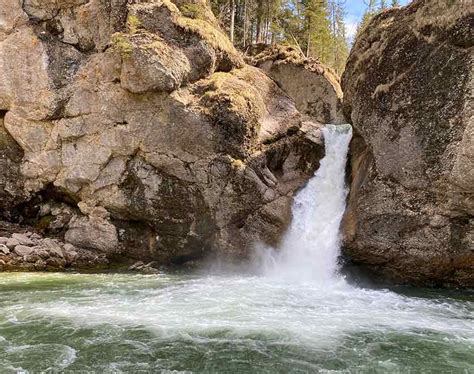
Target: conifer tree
370,11
315,27
340,49
318,30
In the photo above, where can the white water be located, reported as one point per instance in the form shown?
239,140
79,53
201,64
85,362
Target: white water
121,323
301,317
311,247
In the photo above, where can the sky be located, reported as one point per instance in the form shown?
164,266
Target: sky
355,9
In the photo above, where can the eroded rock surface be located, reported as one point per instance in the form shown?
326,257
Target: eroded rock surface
314,87
408,92
134,131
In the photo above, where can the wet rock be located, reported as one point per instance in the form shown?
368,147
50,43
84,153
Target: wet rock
56,262
40,265
141,267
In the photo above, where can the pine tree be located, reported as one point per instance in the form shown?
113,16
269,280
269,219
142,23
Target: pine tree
314,27
368,14
383,4
340,49
318,30
395,3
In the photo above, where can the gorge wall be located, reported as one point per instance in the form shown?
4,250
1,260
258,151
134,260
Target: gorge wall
408,89
133,130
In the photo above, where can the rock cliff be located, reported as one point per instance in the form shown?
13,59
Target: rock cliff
315,88
134,129
408,93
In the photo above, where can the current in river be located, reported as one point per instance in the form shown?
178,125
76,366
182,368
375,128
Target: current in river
293,314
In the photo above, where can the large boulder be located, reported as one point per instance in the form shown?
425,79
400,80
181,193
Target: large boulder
314,87
134,129
408,93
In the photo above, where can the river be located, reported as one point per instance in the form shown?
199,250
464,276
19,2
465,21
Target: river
294,313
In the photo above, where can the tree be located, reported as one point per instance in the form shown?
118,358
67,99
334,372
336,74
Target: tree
232,20
395,3
340,49
370,11
315,27
318,30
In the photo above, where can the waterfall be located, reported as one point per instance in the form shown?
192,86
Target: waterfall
311,247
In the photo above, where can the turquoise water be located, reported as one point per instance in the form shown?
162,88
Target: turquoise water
112,323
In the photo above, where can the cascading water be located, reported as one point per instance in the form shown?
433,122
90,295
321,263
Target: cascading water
129,323
311,247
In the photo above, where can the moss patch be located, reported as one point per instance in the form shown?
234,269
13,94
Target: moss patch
205,30
235,107
133,23
194,11
122,44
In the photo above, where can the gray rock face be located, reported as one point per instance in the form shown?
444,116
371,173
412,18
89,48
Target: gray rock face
23,250
23,239
4,249
12,243
45,254
314,87
92,232
137,131
11,184
408,93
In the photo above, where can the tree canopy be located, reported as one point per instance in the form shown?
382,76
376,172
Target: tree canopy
315,27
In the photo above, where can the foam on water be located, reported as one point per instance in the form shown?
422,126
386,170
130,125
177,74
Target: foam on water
251,314
311,247
300,317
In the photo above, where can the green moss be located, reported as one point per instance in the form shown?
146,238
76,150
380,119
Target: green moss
171,7
44,222
194,11
207,31
122,44
236,94
133,23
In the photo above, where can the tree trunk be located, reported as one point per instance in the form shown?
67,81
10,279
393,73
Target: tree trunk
309,37
232,20
245,24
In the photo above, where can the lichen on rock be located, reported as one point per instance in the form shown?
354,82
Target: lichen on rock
408,93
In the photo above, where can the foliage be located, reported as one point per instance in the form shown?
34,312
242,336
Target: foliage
194,11
315,27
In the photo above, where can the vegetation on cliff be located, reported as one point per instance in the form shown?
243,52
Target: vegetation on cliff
317,28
